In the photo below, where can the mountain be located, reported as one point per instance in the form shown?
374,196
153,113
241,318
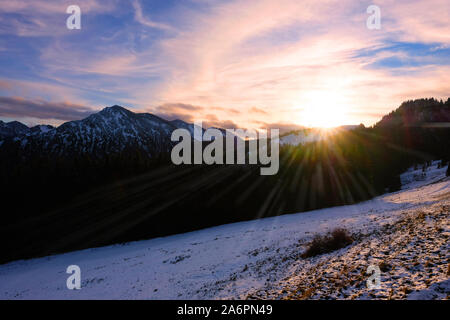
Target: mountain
416,113
300,137
306,135
12,129
190,127
116,129
41,128
350,126
180,124
112,130
15,129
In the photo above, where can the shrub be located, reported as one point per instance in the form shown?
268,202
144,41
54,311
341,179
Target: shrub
337,239
384,266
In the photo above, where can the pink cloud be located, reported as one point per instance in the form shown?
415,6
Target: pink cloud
17,107
285,57
224,59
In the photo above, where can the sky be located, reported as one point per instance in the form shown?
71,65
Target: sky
234,64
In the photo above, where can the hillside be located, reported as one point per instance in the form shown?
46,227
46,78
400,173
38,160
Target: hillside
406,232
417,113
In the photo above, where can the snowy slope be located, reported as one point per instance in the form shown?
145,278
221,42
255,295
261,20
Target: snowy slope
256,258
418,176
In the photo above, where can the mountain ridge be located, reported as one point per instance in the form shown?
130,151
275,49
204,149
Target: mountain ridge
113,129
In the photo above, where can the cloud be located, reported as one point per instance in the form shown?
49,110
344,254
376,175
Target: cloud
108,60
225,109
174,111
41,90
190,113
303,55
171,107
16,107
283,127
139,17
227,57
258,110
212,121
416,20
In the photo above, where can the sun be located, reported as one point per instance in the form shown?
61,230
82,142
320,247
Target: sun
323,116
323,112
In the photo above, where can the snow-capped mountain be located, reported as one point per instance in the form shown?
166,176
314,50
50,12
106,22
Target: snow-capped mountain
113,129
12,129
41,128
300,137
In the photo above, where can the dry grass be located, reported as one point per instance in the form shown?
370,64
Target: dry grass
337,239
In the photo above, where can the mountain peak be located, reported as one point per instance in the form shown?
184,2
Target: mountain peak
114,109
17,124
12,128
117,107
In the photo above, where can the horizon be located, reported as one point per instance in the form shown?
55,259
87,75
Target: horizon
283,132
225,63
30,125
